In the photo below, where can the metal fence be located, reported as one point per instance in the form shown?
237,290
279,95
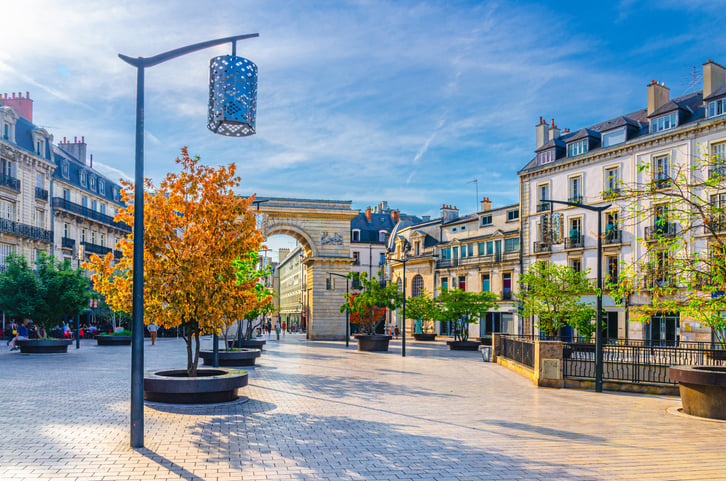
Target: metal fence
518,349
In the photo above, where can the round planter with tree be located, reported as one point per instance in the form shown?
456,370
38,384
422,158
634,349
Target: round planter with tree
702,389
463,308
122,338
231,357
43,346
422,307
209,386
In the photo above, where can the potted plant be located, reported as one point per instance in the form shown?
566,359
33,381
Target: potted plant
55,292
365,304
464,308
116,338
196,227
422,307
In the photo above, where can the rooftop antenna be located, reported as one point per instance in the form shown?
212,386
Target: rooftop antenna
476,183
692,79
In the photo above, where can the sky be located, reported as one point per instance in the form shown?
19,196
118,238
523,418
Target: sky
404,101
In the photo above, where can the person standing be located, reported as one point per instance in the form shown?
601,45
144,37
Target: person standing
152,332
277,330
284,327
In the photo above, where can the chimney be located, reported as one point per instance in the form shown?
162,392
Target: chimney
713,77
449,213
396,216
368,214
486,204
75,148
543,133
22,105
554,131
658,96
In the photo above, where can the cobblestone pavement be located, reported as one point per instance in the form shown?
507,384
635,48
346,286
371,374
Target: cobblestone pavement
319,411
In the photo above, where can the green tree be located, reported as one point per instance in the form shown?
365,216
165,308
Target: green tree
250,273
19,288
682,267
553,294
422,307
373,295
464,308
63,291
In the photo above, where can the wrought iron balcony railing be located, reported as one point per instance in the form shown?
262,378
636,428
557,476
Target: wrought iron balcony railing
61,203
10,182
661,181
25,231
41,194
575,242
665,229
542,247
68,243
613,236
543,206
576,198
90,248
717,170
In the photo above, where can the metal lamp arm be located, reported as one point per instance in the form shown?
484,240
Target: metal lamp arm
575,204
163,57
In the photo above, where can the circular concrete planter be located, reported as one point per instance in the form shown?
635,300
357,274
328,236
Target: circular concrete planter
703,390
241,357
419,336
43,346
463,345
113,340
248,343
210,386
372,342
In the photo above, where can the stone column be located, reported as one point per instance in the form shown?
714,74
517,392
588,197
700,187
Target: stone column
548,364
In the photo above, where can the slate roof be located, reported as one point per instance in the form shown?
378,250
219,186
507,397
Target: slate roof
24,137
75,166
717,93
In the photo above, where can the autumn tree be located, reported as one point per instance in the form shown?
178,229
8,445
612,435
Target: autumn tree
681,265
195,228
464,308
552,293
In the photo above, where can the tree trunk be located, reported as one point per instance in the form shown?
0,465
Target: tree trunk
188,341
195,364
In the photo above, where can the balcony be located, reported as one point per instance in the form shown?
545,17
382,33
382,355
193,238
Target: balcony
41,194
89,248
575,242
25,231
10,182
63,204
661,181
68,243
611,193
575,199
542,247
664,229
543,206
613,236
717,224
507,294
717,171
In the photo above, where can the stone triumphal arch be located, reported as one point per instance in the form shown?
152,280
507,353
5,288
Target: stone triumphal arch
323,229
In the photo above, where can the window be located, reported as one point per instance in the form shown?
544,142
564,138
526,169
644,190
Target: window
660,268
5,251
418,249
506,286
66,230
93,237
40,219
462,283
543,193
463,228
8,168
546,156
482,248
84,201
490,248
83,178
6,131
103,208
576,264
39,180
717,221
381,259
463,251
613,138
67,194
715,108
66,170
575,189
102,240
577,148
612,180
456,252
356,236
511,244
471,250
486,220
446,253
94,205
485,283
575,238
453,230
512,215
7,210
356,258
101,186
612,269
444,283
417,285
39,148
661,170
116,194
664,123
92,182
612,234
382,236
83,235
717,164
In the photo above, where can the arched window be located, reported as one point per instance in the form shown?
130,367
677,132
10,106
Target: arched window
417,285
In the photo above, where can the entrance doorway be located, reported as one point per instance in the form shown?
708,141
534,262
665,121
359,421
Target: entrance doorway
663,329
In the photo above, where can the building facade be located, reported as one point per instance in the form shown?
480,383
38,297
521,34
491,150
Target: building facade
292,288
369,232
588,165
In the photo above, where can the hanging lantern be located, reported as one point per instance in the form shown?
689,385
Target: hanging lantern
232,96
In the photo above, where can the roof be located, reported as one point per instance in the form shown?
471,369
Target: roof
558,142
717,93
669,106
24,137
463,219
75,166
583,133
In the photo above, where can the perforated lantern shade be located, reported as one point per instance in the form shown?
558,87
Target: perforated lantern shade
232,96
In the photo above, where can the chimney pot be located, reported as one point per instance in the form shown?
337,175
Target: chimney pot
13,94
713,77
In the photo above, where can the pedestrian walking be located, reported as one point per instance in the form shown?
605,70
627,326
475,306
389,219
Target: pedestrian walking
284,327
277,330
152,332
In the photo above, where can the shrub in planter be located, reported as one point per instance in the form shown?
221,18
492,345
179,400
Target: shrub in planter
373,296
464,308
422,307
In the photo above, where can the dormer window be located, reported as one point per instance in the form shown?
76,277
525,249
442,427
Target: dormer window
546,156
486,220
83,178
356,235
66,170
717,107
92,181
116,195
39,150
382,236
613,137
453,229
6,130
512,215
664,123
577,148
101,186
463,227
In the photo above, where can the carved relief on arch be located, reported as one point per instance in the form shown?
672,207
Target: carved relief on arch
296,233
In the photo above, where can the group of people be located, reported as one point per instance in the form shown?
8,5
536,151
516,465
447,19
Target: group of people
279,327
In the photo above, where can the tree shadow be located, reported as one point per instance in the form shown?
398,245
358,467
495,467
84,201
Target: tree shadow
557,433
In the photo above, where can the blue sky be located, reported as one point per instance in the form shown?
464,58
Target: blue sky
358,100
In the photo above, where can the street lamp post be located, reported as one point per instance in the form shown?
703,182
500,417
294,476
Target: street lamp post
347,319
81,250
237,128
598,326
403,326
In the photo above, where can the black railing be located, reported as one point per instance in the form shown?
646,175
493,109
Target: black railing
575,242
61,203
717,170
518,349
41,194
118,254
10,182
576,199
661,181
639,363
542,247
543,206
612,236
506,294
95,249
664,229
68,243
24,230
611,192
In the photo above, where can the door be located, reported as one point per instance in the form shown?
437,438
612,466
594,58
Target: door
663,329
611,327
